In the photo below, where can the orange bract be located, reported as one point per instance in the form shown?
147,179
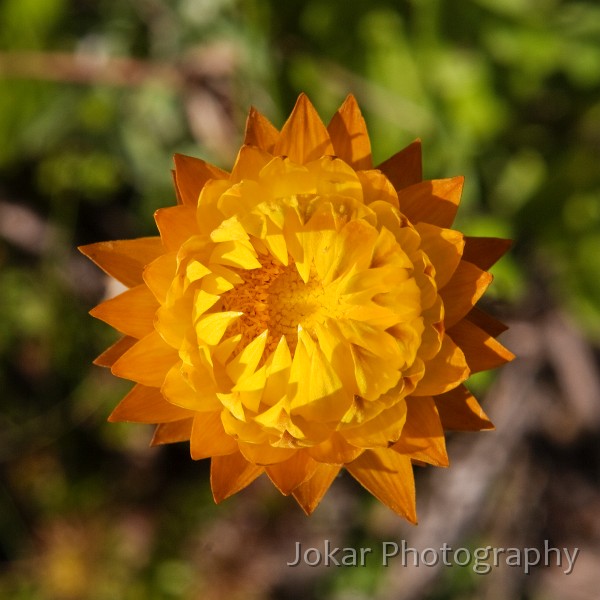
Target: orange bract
305,312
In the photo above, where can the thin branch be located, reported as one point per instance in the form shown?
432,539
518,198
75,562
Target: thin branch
87,68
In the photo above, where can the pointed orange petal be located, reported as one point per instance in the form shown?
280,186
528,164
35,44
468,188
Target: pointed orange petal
303,137
146,362
289,474
434,201
349,136
190,176
131,312
260,132
146,405
177,194
459,411
444,248
209,438
484,252
124,259
230,474
467,285
110,355
423,435
176,225
486,322
309,494
481,350
389,477
170,433
404,168
444,371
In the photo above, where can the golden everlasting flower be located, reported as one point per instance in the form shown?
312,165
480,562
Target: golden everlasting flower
305,312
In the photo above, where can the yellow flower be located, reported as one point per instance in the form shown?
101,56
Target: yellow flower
305,312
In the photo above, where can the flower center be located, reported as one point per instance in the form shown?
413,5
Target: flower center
276,298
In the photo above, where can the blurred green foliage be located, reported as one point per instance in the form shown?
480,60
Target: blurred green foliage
507,93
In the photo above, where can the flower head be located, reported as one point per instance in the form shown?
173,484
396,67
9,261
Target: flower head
305,312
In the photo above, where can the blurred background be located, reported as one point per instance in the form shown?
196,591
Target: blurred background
96,96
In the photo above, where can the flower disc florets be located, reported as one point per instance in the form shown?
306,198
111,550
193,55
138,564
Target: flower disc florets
305,312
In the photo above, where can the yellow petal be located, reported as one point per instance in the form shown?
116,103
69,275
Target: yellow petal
335,450
282,178
389,477
374,376
211,327
251,389
380,430
423,435
261,454
291,473
240,202
276,418
147,405
131,312
276,244
176,224
278,367
444,371
169,322
443,247
484,252
111,354
467,285
170,433
235,253
159,274
249,162
191,174
124,259
459,411
481,350
309,432
231,474
377,188
315,390
303,137
146,362
350,249
245,363
434,201
260,132
229,230
209,438
309,494
217,283
404,168
179,391
349,136
208,215
333,177
235,416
